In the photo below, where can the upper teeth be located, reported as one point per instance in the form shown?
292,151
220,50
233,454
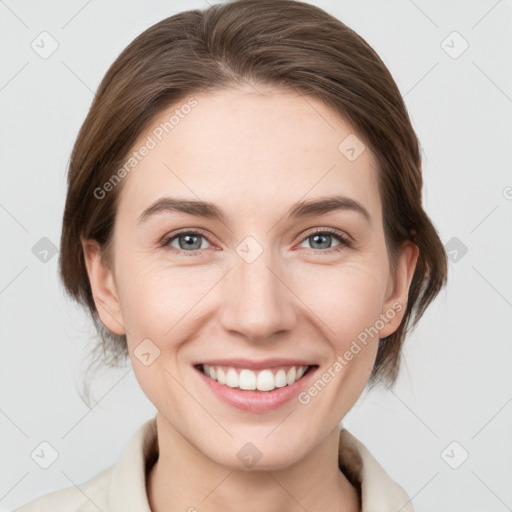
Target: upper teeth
247,379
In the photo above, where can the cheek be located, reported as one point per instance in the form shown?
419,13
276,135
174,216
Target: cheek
347,298
160,304
155,299
159,300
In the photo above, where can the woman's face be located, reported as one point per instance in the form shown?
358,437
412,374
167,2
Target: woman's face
255,283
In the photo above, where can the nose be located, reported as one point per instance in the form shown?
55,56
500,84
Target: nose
258,299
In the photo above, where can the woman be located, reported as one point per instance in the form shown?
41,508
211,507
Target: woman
244,222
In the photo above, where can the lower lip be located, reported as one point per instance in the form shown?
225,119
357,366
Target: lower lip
257,401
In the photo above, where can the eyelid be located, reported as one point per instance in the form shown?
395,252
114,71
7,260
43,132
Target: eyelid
331,231
345,241
343,237
164,242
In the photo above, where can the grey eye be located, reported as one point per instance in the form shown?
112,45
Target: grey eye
321,240
188,241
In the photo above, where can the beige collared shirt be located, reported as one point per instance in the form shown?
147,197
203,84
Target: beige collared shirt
122,486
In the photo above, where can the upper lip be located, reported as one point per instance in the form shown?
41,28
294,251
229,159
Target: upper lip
256,365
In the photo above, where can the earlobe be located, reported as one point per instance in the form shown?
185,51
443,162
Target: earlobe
103,288
396,300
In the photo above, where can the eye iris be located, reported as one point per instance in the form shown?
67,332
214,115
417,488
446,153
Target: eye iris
193,241
190,243
324,245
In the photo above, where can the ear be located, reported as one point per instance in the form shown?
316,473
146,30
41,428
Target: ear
398,289
103,288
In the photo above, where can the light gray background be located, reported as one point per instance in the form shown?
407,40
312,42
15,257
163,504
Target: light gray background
455,384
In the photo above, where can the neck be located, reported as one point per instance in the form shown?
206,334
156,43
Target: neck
183,479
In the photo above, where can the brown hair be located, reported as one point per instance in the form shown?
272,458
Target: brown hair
283,43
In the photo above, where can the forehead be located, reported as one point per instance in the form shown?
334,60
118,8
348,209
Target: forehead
250,151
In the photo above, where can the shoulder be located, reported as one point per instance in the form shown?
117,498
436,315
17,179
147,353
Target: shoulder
91,495
118,488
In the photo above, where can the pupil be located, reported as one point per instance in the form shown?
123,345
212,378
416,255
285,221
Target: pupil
189,242
320,236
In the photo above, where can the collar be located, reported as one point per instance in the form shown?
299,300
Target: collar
378,492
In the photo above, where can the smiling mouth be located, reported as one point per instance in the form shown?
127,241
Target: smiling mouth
259,380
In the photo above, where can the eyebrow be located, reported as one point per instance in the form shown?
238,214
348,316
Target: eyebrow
301,209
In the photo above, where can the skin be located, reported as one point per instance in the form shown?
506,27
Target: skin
253,154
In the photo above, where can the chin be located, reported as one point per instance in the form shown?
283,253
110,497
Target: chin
263,455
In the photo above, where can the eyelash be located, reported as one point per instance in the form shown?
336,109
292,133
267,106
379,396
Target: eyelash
344,240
